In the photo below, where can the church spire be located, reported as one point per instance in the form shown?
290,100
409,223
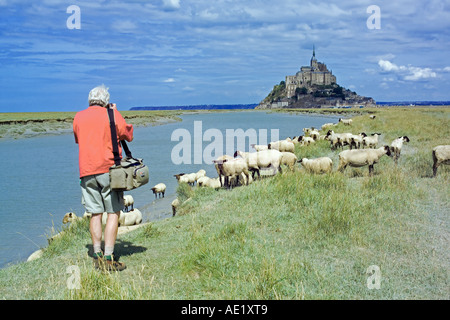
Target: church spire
314,51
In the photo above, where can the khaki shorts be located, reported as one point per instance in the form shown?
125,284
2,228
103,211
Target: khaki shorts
97,196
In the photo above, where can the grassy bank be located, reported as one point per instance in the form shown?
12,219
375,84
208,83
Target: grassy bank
292,236
30,124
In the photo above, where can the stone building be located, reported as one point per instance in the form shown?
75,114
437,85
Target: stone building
315,74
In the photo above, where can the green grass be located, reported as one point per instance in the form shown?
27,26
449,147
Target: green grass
292,236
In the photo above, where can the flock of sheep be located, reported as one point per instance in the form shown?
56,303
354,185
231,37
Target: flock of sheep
243,167
363,150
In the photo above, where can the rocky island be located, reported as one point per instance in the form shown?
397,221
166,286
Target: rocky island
314,86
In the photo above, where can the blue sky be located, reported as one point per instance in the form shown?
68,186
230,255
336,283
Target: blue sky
181,52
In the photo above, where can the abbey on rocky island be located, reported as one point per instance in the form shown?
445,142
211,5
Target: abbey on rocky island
316,73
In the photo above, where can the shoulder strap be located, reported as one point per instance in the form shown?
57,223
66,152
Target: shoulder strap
115,146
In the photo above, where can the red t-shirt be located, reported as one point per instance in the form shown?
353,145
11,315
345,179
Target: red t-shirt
93,135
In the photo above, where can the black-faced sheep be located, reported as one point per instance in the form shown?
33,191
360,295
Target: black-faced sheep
232,169
305,141
219,168
261,160
318,165
371,141
159,189
356,140
282,146
362,157
396,147
441,155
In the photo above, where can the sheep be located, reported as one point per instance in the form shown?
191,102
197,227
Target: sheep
372,141
338,139
200,173
314,134
261,160
201,181
160,189
289,159
70,217
175,204
362,157
282,146
305,141
372,117
130,218
317,165
306,131
128,201
346,122
219,168
188,178
232,168
441,155
213,183
259,147
396,147
356,140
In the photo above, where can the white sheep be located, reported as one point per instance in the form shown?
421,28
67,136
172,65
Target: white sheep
232,169
396,147
259,147
188,178
70,217
346,122
441,155
371,141
159,189
372,117
317,165
130,218
305,141
356,140
314,134
219,169
200,173
289,159
261,160
214,183
336,139
282,146
362,157
175,203
128,202
201,181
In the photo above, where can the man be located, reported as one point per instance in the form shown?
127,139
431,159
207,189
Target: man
93,136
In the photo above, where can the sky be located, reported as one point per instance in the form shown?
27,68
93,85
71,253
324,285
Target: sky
182,52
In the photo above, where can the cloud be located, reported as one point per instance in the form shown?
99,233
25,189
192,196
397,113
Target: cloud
169,80
171,4
409,73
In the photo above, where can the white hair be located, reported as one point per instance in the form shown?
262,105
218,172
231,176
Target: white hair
99,96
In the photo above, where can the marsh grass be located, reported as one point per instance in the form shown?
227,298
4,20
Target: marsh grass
292,236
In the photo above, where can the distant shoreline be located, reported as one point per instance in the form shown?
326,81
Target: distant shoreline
33,124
